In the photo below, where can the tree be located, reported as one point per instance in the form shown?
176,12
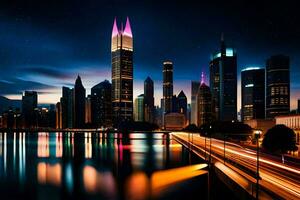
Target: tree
191,128
280,139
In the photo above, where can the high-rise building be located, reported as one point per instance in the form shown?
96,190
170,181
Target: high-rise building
66,102
88,109
298,107
194,91
223,83
149,100
79,104
122,73
277,86
167,86
29,106
204,104
101,104
139,114
182,103
253,93
58,115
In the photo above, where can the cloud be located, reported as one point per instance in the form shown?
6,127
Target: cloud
17,86
48,72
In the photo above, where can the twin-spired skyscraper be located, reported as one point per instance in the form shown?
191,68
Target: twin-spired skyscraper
122,72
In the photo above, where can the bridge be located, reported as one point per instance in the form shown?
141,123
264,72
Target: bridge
237,167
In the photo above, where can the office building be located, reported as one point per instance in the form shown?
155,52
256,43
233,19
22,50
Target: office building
29,107
194,91
149,100
167,86
122,73
139,109
253,93
79,104
101,104
277,86
223,83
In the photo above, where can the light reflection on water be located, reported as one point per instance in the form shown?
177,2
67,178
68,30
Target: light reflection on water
111,166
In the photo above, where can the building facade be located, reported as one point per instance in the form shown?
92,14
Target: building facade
194,92
101,105
29,107
79,104
66,102
139,110
182,104
293,122
253,93
167,86
277,86
223,83
122,73
149,100
204,105
174,121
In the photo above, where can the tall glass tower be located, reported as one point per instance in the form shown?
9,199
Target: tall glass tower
167,86
223,83
278,86
253,93
122,72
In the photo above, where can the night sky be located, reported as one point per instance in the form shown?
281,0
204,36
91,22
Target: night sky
44,44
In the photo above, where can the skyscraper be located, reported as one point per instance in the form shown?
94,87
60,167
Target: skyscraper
122,72
79,104
194,91
88,109
167,86
253,93
101,104
29,106
58,116
223,83
277,86
182,103
139,108
204,104
149,100
66,102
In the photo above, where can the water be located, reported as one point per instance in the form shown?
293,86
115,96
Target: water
98,166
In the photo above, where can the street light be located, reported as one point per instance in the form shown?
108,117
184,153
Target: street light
257,134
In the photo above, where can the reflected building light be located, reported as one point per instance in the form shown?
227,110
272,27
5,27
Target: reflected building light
249,85
1,144
69,178
14,153
161,180
22,158
49,174
59,145
94,182
5,155
88,146
43,145
137,186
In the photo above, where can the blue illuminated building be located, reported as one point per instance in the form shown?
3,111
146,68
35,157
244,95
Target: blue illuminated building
223,83
253,93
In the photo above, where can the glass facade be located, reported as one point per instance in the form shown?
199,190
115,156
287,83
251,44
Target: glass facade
122,74
278,86
253,94
167,86
223,83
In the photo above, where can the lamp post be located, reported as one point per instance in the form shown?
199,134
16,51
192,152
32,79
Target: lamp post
257,134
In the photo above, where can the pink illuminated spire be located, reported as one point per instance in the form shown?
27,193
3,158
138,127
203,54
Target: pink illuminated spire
127,30
202,78
115,30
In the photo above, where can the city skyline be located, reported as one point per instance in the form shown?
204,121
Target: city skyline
34,70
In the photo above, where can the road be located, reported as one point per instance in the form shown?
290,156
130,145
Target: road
281,179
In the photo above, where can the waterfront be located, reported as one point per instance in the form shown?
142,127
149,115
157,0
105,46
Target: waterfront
97,165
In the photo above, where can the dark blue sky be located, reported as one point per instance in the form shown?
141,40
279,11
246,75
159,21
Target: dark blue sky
45,44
